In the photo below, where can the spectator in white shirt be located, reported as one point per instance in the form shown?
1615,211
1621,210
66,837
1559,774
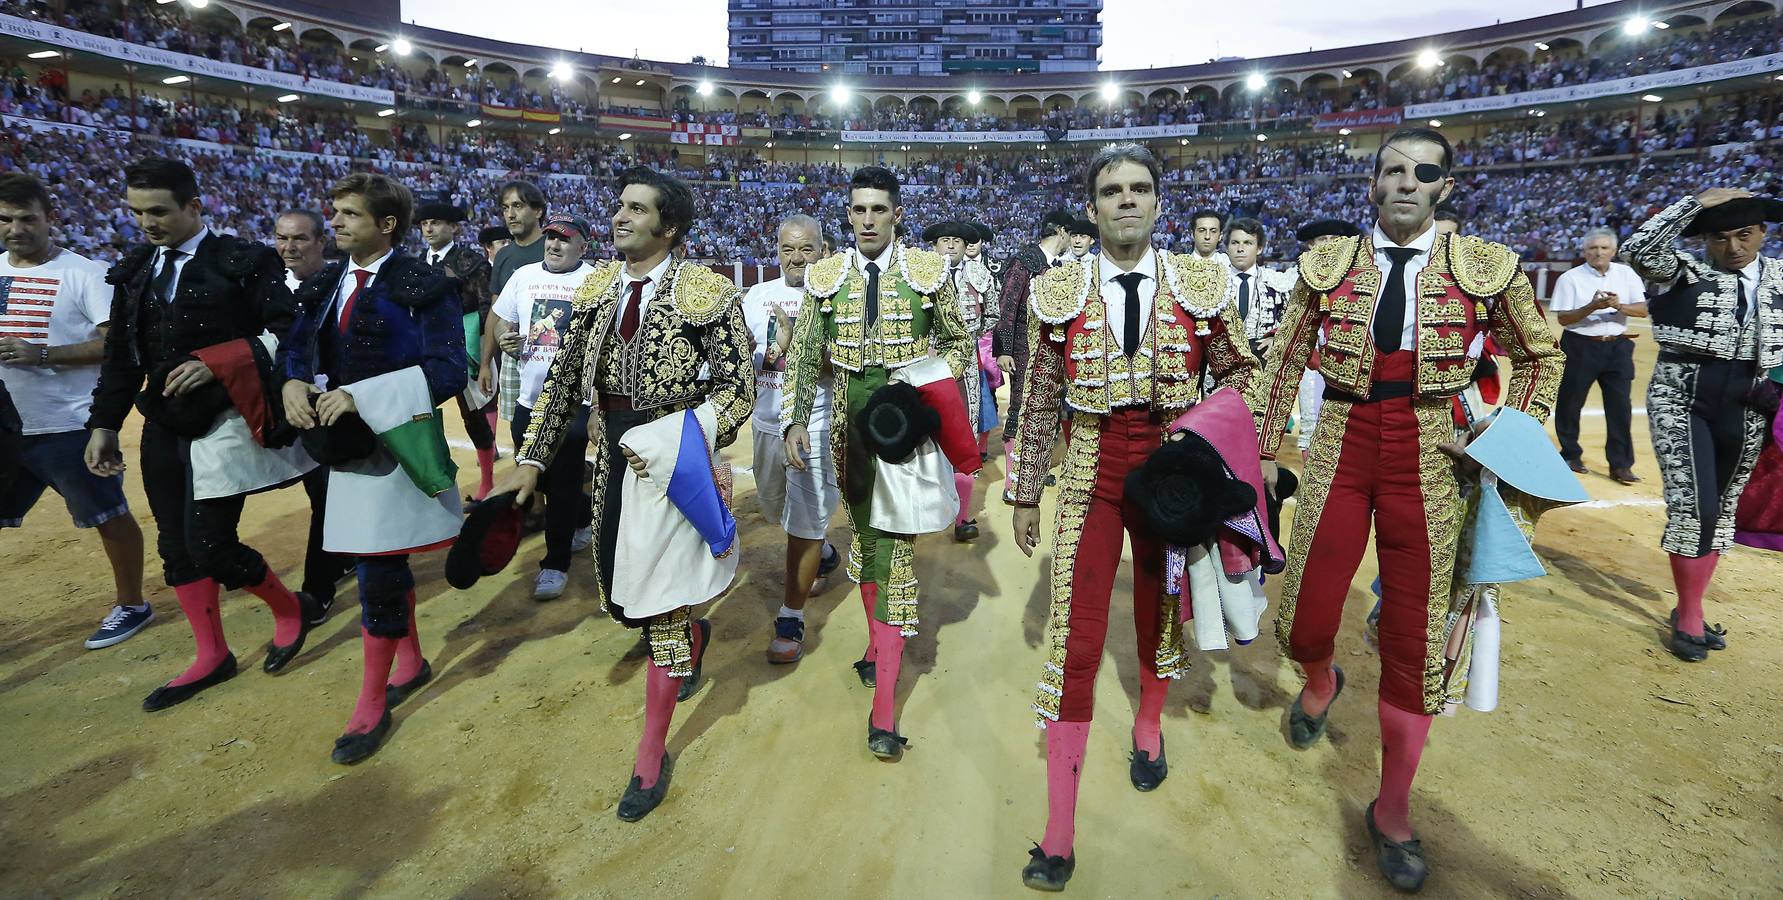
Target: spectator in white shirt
1593,303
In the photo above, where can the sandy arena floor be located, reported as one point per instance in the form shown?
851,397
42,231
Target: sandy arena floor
1610,768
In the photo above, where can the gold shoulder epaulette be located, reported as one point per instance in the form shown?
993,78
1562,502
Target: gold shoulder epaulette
1059,294
1482,268
701,295
1324,266
924,270
1200,284
598,281
825,277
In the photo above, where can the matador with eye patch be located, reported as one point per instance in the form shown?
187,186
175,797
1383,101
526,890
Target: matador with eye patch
1400,315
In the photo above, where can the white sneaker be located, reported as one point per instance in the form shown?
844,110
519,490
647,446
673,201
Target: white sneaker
550,585
582,540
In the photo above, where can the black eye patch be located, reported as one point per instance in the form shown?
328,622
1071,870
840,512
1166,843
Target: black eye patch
1428,173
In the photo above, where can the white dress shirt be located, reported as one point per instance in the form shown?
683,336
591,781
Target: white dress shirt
1115,297
1574,289
645,296
884,259
349,281
1749,282
179,262
1423,243
434,257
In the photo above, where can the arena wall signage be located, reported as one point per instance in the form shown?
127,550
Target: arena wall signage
710,135
1137,133
1361,118
193,65
1722,71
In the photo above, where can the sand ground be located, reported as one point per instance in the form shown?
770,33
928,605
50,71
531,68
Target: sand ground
1610,769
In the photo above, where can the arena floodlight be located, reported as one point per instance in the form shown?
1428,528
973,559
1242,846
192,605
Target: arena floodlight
1262,137
640,82
1344,131
378,49
199,4
470,63
1183,141
289,98
1110,91
973,97
1541,45
770,145
1348,74
386,113
44,54
705,89
836,147
615,80
561,71
1636,25
163,2
1256,81
1661,25
626,136
1429,59
282,26
175,79
1435,123
840,93
555,131
473,123
1652,98
402,46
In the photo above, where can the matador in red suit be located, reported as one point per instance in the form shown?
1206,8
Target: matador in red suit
1403,314
1128,336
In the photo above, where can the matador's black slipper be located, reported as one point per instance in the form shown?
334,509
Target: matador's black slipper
1304,730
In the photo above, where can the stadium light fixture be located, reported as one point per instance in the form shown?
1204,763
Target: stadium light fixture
1262,137
1110,91
402,46
555,131
640,82
199,4
163,2
1652,98
973,97
705,89
561,71
615,80
473,123
625,135
1435,123
470,63
1256,81
44,54
288,98
770,145
386,113
379,49
1541,45
282,26
1348,74
1429,59
1344,131
1661,25
840,93
175,79
1636,25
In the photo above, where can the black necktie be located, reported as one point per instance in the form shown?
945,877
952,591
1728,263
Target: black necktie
163,286
1389,316
434,258
1244,295
1130,330
1740,300
872,293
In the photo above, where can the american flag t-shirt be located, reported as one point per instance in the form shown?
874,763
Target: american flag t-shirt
26,302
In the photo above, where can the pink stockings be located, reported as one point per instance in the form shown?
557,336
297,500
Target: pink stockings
1691,577
1065,742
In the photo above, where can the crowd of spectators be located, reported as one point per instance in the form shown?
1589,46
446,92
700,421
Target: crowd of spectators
1539,210
216,35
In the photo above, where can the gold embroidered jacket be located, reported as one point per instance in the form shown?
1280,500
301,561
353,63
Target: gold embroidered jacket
1470,288
1194,330
694,321
918,312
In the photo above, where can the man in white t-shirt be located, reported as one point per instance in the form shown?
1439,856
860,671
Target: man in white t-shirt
1593,303
54,306
531,317
803,501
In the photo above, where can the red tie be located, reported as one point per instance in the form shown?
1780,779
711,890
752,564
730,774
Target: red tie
628,323
360,277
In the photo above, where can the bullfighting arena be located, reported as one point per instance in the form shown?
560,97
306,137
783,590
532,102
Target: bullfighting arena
1610,769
